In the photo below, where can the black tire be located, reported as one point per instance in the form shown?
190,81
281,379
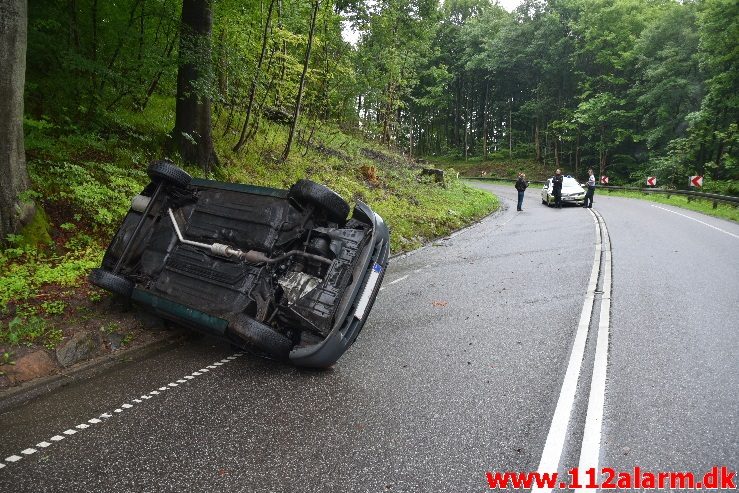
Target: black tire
111,282
261,337
167,172
307,191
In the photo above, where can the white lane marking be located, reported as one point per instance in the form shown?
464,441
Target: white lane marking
552,452
217,363
181,381
137,401
162,389
393,282
698,221
211,367
590,450
188,377
195,373
83,426
398,280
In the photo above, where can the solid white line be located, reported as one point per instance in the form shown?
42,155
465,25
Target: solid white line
106,415
552,452
698,221
590,450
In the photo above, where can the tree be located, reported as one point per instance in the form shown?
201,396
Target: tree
301,86
192,131
14,212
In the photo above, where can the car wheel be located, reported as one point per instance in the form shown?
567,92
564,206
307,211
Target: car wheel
111,282
167,172
262,337
336,208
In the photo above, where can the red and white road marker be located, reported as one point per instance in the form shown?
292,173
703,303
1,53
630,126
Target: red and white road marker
696,181
604,180
652,181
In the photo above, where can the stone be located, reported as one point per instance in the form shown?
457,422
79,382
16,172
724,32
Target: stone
115,341
33,365
82,346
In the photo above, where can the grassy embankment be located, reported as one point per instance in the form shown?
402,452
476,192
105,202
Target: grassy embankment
85,180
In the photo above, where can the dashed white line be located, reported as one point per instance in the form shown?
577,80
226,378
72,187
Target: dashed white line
83,426
698,221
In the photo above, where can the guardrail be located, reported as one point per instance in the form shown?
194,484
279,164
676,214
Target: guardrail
691,194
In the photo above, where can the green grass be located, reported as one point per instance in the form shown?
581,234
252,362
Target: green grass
84,180
724,211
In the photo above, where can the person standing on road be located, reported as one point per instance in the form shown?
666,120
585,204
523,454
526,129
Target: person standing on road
521,185
557,188
591,190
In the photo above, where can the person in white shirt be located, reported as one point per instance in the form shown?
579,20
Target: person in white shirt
591,190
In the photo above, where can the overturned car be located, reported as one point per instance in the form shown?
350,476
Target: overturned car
279,272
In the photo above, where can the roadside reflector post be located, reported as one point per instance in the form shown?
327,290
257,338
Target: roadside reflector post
715,204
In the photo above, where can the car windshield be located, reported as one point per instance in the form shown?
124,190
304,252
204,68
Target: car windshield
570,182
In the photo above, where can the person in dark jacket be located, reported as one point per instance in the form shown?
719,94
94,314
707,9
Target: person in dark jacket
521,185
557,188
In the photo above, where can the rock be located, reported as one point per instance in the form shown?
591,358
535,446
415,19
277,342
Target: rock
33,365
115,341
150,321
82,346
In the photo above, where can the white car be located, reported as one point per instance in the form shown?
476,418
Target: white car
572,192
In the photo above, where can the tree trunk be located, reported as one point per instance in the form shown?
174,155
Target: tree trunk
299,99
257,73
485,123
14,213
192,131
510,131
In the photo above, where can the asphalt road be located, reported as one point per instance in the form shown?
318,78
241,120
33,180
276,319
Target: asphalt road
457,372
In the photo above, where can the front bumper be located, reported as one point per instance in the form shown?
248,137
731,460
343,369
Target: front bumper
347,326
